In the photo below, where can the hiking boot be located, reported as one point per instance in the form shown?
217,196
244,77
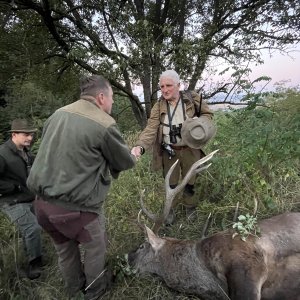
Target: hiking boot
170,218
189,190
191,213
35,268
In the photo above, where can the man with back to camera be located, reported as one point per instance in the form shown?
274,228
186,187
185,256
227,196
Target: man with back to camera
81,149
174,112
15,198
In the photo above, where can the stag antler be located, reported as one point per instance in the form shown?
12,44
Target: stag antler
171,193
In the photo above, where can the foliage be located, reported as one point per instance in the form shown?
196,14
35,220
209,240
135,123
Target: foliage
261,151
133,41
247,225
258,159
122,267
32,101
123,114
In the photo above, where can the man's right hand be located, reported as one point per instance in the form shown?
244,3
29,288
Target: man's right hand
136,151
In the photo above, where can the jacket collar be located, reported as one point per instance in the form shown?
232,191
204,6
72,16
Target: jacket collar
90,99
184,98
12,146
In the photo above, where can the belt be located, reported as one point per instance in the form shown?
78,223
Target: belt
178,147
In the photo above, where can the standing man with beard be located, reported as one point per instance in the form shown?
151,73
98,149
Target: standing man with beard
81,149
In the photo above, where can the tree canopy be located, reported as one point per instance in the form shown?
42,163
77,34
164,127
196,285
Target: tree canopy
132,42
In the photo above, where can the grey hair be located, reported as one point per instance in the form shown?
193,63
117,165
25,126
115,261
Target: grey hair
93,85
170,74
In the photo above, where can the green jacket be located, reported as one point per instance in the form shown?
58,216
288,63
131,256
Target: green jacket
13,175
152,135
81,148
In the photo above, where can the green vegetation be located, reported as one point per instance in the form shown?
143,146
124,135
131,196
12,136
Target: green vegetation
247,225
257,165
132,42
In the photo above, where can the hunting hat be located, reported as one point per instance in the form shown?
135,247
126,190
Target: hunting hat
21,125
195,133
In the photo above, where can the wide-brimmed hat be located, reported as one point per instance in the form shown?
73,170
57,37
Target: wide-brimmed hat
195,133
21,125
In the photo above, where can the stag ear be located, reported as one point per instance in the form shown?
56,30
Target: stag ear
155,241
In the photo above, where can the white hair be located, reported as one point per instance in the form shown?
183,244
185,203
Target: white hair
170,74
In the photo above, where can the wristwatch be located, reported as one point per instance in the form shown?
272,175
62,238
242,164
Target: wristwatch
142,150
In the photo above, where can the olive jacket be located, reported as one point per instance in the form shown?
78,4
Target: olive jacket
81,148
152,135
13,174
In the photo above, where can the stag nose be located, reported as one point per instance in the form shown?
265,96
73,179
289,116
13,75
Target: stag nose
131,258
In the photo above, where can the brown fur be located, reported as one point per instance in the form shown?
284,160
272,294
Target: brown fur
219,267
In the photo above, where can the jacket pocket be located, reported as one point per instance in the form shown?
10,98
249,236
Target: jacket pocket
105,180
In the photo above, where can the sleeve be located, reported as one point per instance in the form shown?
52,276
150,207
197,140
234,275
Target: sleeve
149,134
6,187
116,152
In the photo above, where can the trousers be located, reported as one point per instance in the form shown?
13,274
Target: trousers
80,241
22,215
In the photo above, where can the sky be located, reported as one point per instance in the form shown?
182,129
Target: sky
280,68
284,69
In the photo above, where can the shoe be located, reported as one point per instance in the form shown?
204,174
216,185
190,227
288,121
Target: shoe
189,190
191,213
35,268
170,218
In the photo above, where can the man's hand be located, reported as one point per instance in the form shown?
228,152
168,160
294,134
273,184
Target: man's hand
137,151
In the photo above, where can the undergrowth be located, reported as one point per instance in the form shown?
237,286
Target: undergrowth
257,166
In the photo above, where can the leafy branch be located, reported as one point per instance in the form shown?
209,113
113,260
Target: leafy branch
246,225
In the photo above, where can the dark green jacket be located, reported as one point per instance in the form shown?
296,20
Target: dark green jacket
81,148
13,174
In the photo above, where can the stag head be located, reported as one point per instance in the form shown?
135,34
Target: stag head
179,263
145,258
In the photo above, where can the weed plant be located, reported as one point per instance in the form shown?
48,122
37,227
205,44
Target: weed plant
257,166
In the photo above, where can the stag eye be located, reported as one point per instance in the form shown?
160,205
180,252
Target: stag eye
142,246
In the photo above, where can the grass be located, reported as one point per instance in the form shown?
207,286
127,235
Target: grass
258,161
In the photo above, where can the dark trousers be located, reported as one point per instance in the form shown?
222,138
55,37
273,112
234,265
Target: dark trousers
80,242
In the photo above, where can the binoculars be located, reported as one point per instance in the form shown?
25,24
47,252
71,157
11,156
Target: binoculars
175,131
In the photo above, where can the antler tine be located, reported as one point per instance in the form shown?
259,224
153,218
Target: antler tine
195,169
236,211
205,226
255,206
150,215
142,226
171,193
167,179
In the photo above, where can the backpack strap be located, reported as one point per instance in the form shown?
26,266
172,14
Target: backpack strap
197,108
